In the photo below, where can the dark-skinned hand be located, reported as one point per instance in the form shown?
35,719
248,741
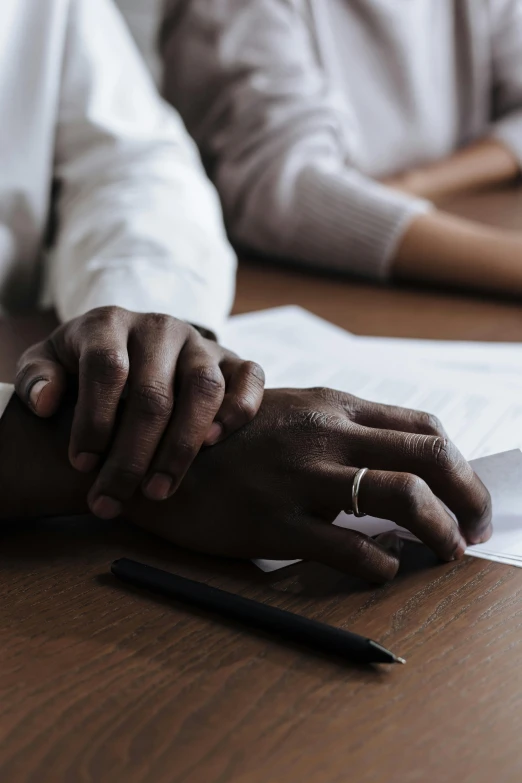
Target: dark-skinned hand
181,391
273,489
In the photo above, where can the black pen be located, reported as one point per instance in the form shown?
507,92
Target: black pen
299,629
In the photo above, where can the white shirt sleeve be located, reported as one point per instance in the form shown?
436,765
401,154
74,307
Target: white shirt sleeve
140,225
6,392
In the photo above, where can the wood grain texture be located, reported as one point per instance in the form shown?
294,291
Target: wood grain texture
100,683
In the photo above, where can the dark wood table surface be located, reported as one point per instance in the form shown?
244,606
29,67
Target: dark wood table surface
98,683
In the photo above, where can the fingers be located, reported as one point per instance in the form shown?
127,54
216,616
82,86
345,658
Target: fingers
408,501
103,370
347,551
438,462
40,379
153,355
390,417
245,384
200,396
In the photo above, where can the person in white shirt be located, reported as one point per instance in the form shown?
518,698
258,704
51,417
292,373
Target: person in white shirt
138,229
331,127
138,250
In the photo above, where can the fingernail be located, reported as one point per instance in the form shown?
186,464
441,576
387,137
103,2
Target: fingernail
85,462
214,434
460,551
106,507
35,391
158,487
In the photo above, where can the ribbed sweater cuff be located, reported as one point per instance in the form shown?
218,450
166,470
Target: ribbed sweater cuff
349,222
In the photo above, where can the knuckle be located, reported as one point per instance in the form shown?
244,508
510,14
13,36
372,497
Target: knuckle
243,409
354,406
208,381
102,316
414,493
324,394
361,548
255,373
444,454
322,421
107,364
160,321
348,404
153,400
431,423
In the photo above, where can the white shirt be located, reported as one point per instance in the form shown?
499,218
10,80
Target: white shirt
138,223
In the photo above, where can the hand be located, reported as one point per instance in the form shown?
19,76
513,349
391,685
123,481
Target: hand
273,489
182,391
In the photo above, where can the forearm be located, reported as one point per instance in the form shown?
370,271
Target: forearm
36,477
440,248
485,163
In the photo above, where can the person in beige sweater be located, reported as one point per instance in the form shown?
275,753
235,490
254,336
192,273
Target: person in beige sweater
331,128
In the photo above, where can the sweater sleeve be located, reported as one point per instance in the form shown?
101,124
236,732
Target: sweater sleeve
507,72
247,79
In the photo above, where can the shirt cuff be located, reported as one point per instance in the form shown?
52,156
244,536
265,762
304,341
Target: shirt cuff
6,392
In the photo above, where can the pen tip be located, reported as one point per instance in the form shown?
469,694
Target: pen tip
400,660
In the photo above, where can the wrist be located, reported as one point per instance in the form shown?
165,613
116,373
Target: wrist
440,248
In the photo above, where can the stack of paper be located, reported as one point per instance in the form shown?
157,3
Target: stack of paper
474,388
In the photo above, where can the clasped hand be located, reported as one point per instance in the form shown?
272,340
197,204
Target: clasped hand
182,391
152,391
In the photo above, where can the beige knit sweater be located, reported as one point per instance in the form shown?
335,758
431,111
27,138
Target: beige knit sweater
298,105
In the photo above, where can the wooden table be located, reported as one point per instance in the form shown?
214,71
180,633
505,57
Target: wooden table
98,683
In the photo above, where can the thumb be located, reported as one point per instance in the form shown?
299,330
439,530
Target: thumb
348,551
40,380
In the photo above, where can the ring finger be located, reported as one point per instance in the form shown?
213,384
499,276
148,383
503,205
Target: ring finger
434,459
405,499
